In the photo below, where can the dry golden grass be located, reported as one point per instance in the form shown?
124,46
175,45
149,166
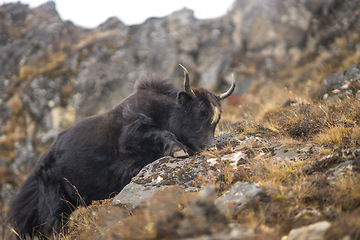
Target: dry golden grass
51,65
333,136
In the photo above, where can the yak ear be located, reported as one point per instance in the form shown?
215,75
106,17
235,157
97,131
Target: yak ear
184,98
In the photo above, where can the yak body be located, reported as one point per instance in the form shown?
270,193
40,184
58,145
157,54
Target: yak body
97,157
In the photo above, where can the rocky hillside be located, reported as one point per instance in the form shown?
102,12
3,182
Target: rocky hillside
293,128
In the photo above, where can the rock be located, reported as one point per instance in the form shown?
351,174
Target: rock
169,171
52,63
281,152
134,194
324,163
204,208
238,196
156,176
288,102
313,231
41,95
350,165
111,23
340,170
270,27
343,83
201,218
225,138
337,164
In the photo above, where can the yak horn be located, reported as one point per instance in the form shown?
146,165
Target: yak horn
187,86
230,91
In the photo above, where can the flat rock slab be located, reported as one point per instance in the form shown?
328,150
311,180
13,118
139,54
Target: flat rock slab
238,196
134,194
343,83
160,174
337,80
313,231
165,172
171,171
168,171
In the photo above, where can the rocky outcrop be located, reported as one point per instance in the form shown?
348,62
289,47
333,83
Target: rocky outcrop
169,171
53,72
192,173
342,84
312,232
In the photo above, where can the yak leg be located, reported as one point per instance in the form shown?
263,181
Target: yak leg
171,145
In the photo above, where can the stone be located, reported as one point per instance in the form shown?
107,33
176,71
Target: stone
313,231
343,83
269,24
156,176
165,171
134,194
205,214
238,196
168,171
52,63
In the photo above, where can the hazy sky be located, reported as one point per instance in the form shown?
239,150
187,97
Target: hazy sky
88,13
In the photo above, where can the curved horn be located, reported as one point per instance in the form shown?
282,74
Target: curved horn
187,86
230,91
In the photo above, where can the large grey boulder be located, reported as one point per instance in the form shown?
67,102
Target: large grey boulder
164,172
315,231
241,193
342,84
184,173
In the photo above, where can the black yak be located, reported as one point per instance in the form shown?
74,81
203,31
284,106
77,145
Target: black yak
97,157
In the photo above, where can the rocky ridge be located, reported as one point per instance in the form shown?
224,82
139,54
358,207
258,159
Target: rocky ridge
54,73
209,169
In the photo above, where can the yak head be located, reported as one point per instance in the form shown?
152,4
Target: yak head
196,115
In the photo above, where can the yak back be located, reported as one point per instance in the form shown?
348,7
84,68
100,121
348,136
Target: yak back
150,105
156,84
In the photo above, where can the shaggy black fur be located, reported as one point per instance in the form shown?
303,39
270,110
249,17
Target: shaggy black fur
97,157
